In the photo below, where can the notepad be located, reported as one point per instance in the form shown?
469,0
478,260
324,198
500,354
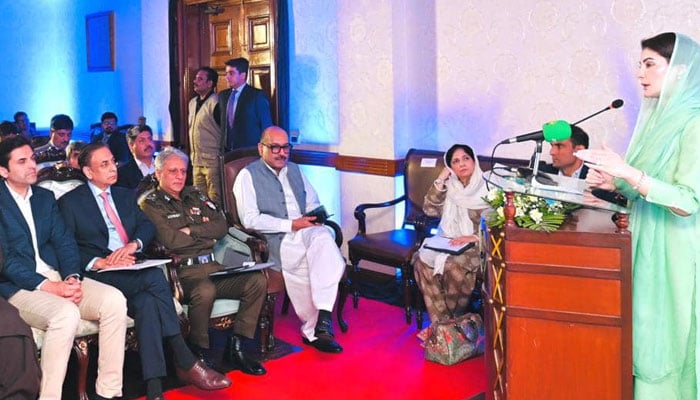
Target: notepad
442,244
140,264
246,267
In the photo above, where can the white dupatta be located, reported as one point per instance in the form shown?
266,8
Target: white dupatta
455,220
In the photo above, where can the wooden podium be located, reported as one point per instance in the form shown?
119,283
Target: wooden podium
558,311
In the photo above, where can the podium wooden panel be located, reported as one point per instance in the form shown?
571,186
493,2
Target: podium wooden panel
558,311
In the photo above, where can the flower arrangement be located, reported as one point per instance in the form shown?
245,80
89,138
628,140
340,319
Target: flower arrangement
531,212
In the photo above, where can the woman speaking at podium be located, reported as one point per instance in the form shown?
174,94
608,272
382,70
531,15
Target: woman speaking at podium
660,175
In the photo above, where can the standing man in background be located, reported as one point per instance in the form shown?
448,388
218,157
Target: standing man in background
205,134
245,110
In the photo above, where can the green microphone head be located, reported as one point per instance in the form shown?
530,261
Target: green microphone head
556,131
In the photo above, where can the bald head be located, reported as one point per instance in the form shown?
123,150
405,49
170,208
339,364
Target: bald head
272,133
274,147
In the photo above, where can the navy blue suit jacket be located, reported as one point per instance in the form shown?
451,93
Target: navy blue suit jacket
550,169
251,118
56,245
84,220
129,175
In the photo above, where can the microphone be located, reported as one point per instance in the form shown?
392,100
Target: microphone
553,131
615,104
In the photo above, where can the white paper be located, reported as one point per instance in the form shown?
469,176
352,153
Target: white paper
246,267
147,263
428,162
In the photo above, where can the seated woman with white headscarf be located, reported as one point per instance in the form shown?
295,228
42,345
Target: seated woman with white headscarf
456,197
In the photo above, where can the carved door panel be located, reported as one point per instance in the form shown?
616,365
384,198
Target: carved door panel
212,32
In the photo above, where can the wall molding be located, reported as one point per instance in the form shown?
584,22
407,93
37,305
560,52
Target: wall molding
363,165
376,166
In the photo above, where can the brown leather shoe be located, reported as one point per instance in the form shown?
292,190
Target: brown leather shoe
203,377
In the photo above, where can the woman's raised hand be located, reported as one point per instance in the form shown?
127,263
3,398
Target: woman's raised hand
606,161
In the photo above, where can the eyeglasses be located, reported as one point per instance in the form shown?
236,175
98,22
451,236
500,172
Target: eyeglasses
275,148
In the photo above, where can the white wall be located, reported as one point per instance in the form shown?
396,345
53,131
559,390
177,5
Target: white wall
429,73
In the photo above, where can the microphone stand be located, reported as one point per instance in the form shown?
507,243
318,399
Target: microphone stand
536,169
536,166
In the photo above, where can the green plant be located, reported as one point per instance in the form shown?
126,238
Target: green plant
531,212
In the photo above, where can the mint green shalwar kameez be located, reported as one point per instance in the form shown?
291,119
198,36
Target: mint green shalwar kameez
665,246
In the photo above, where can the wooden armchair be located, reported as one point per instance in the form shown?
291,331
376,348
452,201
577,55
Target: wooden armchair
230,165
395,248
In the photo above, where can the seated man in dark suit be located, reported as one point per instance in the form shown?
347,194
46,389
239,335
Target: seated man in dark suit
563,160
111,136
110,229
42,277
20,375
140,139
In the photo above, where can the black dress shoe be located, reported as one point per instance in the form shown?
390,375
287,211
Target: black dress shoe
202,377
324,329
324,344
238,360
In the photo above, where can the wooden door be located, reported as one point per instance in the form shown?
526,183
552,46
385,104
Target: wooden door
210,32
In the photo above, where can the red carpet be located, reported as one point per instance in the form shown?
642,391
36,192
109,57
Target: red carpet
382,360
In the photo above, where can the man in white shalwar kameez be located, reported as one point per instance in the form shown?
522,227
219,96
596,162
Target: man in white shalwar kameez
272,196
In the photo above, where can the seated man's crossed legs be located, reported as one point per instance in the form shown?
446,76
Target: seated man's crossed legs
60,317
150,304
201,290
312,267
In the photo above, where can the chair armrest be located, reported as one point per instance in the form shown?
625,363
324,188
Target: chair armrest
360,212
338,233
255,240
424,224
157,250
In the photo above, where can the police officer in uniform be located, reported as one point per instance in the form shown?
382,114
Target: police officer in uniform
189,224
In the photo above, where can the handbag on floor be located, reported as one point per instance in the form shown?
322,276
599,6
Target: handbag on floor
454,339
